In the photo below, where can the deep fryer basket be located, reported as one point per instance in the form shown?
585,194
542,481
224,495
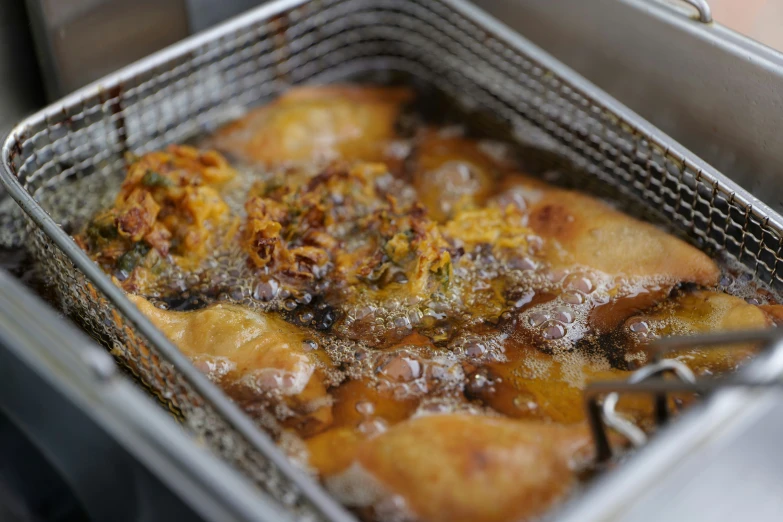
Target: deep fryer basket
58,159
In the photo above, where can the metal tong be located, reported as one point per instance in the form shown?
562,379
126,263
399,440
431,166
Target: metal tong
649,379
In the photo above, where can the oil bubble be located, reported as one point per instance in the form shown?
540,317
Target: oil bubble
538,318
266,290
475,349
563,314
400,367
372,427
365,408
638,326
523,264
481,384
525,402
579,282
553,330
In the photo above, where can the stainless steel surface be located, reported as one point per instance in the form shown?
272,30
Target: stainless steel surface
731,477
78,41
122,456
717,463
635,435
714,339
197,84
603,414
716,92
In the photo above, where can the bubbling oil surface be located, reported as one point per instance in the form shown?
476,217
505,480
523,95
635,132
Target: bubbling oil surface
390,357
544,307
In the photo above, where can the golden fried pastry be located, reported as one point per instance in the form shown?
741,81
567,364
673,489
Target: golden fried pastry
580,230
316,124
361,409
535,385
774,312
458,467
700,312
254,356
452,173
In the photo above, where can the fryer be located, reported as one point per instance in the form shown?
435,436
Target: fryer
84,441
62,162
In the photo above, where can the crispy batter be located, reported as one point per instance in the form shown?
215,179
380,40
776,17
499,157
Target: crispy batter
325,123
467,468
503,228
168,204
255,357
341,224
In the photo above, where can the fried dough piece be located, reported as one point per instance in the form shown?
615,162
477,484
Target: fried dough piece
535,385
616,265
318,124
702,312
253,356
360,410
451,174
458,467
774,312
580,230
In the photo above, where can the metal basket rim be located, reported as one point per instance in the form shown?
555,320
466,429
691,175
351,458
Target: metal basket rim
211,393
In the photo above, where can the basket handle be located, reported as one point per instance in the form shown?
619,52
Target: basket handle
703,8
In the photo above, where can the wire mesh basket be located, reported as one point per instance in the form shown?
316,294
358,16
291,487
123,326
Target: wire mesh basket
191,88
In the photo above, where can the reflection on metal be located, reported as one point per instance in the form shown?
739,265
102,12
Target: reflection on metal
78,41
713,90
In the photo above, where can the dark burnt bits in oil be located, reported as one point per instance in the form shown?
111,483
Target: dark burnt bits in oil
310,312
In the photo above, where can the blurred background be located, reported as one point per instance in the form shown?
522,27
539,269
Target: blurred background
759,19
51,47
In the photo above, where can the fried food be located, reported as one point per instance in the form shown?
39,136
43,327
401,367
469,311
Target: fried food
344,229
584,231
318,124
413,318
168,205
255,357
452,173
530,384
468,468
700,312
